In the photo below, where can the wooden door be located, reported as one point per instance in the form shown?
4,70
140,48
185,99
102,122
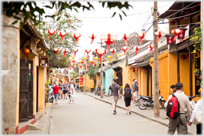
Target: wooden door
30,92
37,88
24,87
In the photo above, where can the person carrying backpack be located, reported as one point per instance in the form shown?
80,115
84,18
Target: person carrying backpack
177,104
127,93
115,94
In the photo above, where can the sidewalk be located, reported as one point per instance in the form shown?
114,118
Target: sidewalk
42,126
148,113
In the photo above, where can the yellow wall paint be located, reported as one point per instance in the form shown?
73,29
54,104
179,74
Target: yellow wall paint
126,76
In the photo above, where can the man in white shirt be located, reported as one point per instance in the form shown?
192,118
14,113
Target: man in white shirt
180,123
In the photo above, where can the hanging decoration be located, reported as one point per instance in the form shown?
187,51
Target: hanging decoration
82,62
75,51
125,37
112,51
124,49
133,69
87,51
169,38
85,58
183,57
51,32
26,51
92,36
72,66
64,50
172,22
119,55
103,60
181,35
94,64
100,52
62,34
176,32
79,61
80,66
87,66
109,38
56,50
151,48
109,57
159,35
96,58
136,49
141,35
73,61
76,36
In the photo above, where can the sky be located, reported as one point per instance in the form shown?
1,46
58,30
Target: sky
99,21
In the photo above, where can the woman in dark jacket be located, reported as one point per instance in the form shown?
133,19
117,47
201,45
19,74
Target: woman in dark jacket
127,97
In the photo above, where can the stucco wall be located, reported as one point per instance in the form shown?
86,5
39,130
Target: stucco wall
126,76
10,74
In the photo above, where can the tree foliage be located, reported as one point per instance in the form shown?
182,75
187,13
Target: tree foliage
12,9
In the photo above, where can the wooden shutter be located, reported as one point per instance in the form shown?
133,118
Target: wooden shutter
30,91
24,87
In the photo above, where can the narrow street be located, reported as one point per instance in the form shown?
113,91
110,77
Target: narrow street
90,116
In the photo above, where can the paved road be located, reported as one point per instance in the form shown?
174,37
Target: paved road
91,116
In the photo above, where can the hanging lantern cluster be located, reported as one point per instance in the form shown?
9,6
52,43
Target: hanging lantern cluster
125,37
159,35
100,52
92,36
62,34
170,38
109,38
56,50
76,37
151,48
141,35
112,51
124,49
64,50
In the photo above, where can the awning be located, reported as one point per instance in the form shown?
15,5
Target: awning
178,5
143,64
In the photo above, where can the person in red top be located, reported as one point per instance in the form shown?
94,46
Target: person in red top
56,92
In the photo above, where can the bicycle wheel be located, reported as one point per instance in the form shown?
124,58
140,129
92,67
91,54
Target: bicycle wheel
142,104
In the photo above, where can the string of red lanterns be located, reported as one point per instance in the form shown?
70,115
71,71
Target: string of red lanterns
51,32
76,36
92,36
87,51
125,37
124,49
62,34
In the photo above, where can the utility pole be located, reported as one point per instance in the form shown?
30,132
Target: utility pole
85,75
101,74
156,68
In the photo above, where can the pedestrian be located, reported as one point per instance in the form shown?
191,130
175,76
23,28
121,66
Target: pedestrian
69,89
72,92
198,107
56,92
65,90
77,88
49,92
180,123
135,88
128,94
60,90
115,94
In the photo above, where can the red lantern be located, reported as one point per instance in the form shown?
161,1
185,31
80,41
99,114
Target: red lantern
92,36
103,60
176,32
112,51
72,66
94,64
87,66
108,38
26,52
136,48
80,66
183,57
124,49
172,22
180,18
82,62
141,36
170,38
62,34
64,50
51,32
181,35
87,51
133,69
159,35
73,61
76,36
187,55
75,51
125,37
55,50
100,52
151,48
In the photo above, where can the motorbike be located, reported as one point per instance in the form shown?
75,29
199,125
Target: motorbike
98,91
146,101
51,99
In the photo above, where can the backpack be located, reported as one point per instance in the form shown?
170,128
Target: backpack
173,107
127,93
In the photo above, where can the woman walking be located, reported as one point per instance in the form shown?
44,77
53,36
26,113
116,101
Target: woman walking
72,92
56,92
127,93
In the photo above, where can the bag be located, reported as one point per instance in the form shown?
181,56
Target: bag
128,93
198,116
173,108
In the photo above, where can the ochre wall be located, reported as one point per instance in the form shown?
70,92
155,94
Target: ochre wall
126,76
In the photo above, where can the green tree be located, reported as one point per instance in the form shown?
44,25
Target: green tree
12,9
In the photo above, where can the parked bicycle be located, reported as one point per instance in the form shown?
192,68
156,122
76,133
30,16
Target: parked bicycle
98,91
